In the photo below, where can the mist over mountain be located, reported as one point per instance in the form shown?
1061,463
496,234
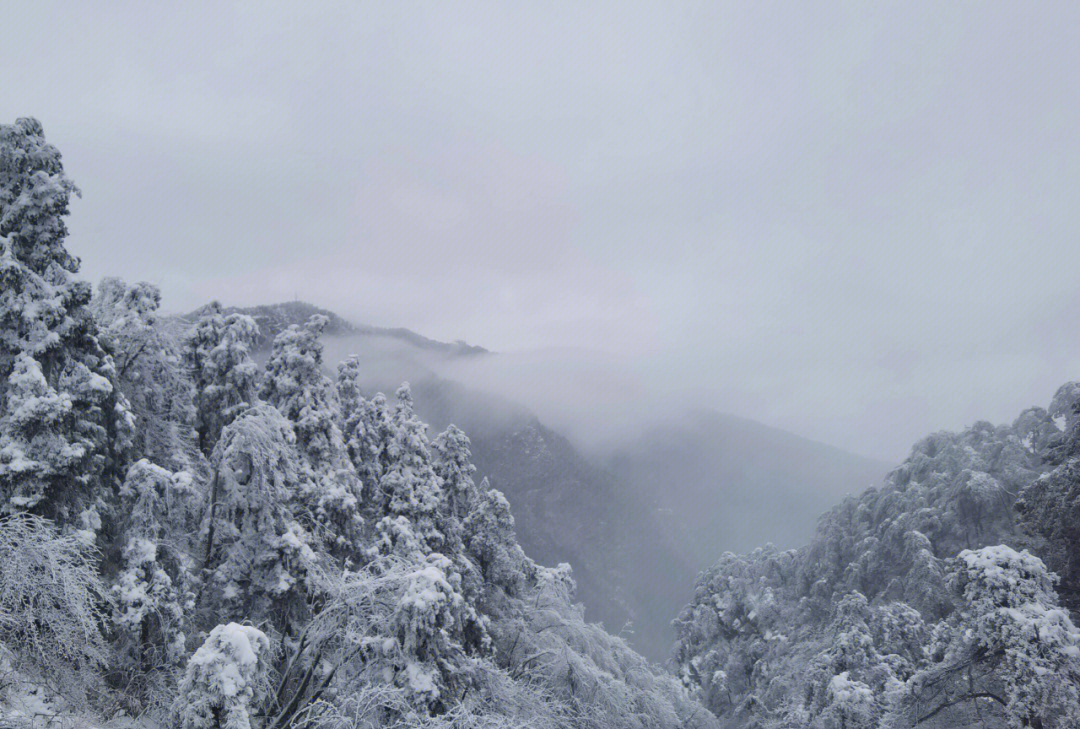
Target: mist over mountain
531,365
729,483
638,518
206,527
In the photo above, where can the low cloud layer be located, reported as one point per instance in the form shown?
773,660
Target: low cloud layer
858,223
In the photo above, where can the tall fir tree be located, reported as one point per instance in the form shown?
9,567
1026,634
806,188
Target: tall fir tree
409,491
64,427
296,385
149,373
261,561
217,354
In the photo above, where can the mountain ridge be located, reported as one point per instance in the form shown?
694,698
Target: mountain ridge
273,318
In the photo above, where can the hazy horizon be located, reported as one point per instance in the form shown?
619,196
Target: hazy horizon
856,224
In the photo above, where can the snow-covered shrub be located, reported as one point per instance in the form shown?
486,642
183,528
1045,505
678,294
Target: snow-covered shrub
51,603
226,680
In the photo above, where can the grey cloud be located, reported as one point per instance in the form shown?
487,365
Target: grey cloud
857,222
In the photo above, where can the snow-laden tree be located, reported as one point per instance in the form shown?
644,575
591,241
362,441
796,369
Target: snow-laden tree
125,316
452,458
1009,647
409,491
294,383
736,619
149,372
451,455
217,354
50,604
415,492
851,705
382,575
154,589
542,640
847,683
259,557
397,622
367,433
349,390
891,544
491,543
226,680
1049,508
63,425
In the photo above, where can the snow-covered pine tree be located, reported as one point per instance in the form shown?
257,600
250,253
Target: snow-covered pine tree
260,559
217,354
154,590
491,543
367,433
409,492
226,680
451,453
295,384
350,393
452,461
149,373
64,427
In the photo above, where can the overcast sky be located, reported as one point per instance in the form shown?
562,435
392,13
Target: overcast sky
858,223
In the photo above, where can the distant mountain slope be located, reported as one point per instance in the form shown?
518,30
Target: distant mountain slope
734,483
273,318
569,508
714,483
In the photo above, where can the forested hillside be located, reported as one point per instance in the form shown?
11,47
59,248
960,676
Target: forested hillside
920,603
193,539
638,522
